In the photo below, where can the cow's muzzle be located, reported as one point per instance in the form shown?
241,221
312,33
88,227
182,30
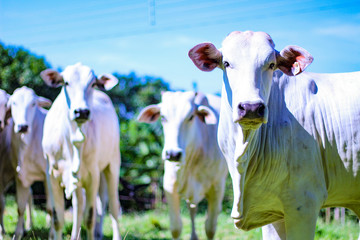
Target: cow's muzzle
81,115
23,128
173,155
251,114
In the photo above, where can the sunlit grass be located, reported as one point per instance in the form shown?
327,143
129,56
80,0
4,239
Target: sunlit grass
155,225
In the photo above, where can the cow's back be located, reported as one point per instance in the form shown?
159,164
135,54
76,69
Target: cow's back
214,102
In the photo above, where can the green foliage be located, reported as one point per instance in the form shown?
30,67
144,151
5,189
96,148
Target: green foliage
19,67
141,144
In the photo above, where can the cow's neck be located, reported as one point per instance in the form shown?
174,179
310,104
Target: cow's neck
244,140
77,138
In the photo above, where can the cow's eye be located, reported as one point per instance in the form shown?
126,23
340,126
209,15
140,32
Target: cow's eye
93,85
272,66
226,64
66,83
191,117
163,118
33,104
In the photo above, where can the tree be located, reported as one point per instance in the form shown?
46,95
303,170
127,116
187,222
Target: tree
141,144
19,67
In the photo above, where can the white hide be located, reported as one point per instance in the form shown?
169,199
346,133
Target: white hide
79,149
304,156
27,159
190,128
7,172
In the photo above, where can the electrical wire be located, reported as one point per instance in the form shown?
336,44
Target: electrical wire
169,19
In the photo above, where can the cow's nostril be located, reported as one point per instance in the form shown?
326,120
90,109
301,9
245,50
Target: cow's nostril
261,110
82,113
241,107
173,155
23,128
177,156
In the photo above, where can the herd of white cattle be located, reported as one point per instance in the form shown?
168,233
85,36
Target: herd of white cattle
289,139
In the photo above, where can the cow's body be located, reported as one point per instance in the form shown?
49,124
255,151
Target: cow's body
194,166
7,173
25,162
296,153
79,149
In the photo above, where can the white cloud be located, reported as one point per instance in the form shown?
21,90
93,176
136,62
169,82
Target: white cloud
346,31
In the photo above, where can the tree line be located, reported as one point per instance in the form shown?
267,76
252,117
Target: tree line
140,144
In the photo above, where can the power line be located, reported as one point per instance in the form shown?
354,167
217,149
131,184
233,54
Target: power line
123,15
198,21
132,12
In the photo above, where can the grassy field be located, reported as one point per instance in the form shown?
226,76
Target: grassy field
155,225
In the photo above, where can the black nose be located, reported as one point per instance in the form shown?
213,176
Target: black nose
251,111
23,128
173,155
82,114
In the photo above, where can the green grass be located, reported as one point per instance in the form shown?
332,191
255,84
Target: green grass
155,225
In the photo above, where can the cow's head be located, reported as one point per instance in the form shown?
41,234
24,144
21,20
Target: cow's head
183,115
23,104
249,60
78,82
4,113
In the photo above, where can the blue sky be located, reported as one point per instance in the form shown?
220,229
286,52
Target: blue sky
153,37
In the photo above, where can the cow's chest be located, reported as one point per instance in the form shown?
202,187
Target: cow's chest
193,183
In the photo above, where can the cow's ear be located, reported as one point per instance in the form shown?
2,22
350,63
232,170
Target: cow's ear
206,115
107,81
43,102
293,60
149,114
52,78
206,56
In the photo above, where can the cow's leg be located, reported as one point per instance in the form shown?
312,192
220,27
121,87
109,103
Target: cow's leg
356,209
22,197
29,221
274,231
57,201
101,202
48,209
2,208
173,201
111,174
91,191
214,198
300,220
78,211
193,210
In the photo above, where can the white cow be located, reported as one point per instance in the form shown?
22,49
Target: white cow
81,140
194,166
7,173
27,160
292,142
